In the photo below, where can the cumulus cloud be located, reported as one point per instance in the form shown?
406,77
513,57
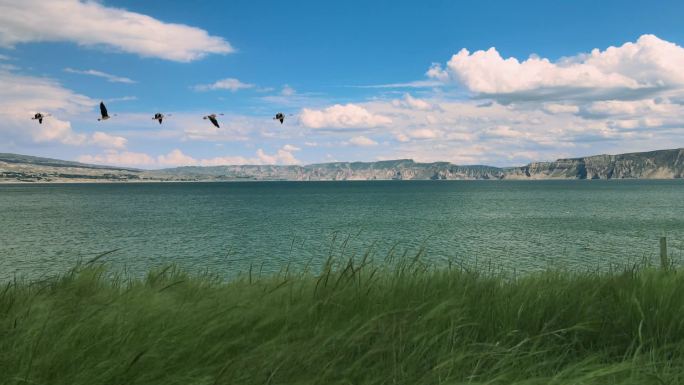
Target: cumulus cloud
632,70
119,158
362,141
414,103
342,116
109,77
176,158
619,99
644,107
281,156
103,139
22,96
90,23
437,72
230,84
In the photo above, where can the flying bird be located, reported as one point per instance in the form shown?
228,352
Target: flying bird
159,116
280,116
39,117
103,112
212,119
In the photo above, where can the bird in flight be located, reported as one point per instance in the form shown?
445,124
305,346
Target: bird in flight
280,116
103,112
159,116
212,119
39,117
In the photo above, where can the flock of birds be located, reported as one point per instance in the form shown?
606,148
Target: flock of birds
104,115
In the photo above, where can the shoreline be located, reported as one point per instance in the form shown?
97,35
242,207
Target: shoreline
133,181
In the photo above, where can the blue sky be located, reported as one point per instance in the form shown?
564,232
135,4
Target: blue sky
363,80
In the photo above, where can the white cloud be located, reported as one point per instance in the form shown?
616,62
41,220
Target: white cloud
90,23
231,84
342,116
362,141
22,96
503,131
116,158
282,156
554,108
631,70
606,108
103,139
437,72
424,133
176,158
414,103
109,77
291,148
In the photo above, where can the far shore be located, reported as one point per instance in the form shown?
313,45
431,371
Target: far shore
134,181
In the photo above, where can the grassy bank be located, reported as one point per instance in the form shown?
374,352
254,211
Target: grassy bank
349,325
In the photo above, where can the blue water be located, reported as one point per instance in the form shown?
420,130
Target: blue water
226,227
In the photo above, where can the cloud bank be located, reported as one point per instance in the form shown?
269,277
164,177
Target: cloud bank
342,116
90,24
632,70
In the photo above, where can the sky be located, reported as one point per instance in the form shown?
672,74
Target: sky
470,82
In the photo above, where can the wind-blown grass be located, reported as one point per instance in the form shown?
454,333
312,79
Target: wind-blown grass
350,324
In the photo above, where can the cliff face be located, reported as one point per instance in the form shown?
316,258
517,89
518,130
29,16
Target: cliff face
403,169
663,164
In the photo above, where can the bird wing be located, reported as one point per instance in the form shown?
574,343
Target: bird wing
214,121
103,109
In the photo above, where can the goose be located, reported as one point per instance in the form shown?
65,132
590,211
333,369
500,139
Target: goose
159,116
280,116
212,119
103,112
39,117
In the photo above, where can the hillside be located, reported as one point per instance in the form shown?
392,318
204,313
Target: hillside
661,164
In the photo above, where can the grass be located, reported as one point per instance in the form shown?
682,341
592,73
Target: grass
350,324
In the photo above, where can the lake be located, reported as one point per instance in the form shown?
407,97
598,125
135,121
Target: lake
226,227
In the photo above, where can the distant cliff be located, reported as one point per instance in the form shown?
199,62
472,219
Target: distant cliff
403,169
662,164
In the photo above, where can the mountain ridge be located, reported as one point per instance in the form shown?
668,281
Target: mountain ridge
657,164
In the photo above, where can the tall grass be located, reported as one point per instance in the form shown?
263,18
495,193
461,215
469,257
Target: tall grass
352,323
